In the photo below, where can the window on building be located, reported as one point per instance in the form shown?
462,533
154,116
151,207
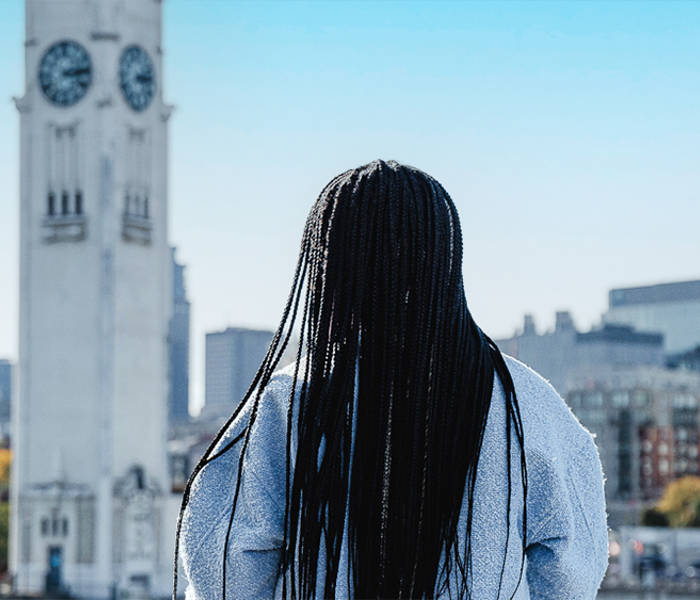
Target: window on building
595,399
138,177
55,524
620,399
640,398
44,526
64,177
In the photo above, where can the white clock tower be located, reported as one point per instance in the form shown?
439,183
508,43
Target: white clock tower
90,483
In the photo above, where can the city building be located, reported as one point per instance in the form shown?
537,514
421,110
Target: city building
91,510
233,356
685,360
565,353
5,397
179,346
669,308
647,422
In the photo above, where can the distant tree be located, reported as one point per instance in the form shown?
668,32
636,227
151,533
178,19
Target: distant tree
680,502
5,460
653,517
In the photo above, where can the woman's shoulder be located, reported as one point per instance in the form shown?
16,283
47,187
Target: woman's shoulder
549,423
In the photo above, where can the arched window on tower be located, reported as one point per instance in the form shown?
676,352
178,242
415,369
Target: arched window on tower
65,207
54,522
64,202
136,219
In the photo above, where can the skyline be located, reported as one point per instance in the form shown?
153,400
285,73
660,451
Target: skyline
566,134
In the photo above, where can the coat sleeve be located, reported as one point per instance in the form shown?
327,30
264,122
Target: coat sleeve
567,552
256,537
258,534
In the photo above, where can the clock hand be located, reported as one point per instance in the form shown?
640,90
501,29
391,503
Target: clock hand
71,72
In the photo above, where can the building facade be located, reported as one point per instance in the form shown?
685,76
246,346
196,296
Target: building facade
179,347
565,355
647,423
90,489
233,356
5,396
670,308
689,360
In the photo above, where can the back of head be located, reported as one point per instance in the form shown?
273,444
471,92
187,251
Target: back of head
395,391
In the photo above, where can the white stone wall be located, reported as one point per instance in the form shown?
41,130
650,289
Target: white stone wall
93,311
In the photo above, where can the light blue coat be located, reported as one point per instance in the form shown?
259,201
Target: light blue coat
567,551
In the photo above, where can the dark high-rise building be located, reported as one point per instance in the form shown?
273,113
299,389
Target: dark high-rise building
5,396
179,346
233,356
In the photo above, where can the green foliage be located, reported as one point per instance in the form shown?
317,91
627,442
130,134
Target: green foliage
681,502
5,460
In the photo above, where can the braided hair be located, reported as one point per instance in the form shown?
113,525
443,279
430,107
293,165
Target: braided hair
395,393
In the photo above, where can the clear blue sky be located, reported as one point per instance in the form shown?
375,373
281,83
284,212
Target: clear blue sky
568,135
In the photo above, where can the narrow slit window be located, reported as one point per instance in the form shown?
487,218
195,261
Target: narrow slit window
137,174
64,193
64,160
73,168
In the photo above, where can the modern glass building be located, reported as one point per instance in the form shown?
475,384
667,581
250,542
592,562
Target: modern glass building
669,308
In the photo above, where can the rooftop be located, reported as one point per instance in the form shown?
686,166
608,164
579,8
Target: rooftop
655,294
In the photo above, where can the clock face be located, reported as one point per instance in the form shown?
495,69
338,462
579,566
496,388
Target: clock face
65,72
136,77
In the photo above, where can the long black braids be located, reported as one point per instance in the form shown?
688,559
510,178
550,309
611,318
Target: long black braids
393,399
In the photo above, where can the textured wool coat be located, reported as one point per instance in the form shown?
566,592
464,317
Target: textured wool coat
567,552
